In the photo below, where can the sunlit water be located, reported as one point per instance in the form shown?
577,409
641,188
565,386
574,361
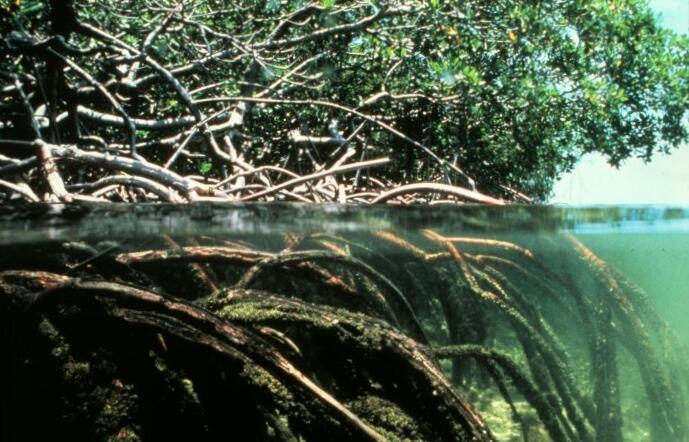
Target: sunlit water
644,250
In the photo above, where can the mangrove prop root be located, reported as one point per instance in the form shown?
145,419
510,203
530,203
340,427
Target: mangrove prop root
321,336
668,422
528,336
330,328
208,330
199,327
397,299
549,415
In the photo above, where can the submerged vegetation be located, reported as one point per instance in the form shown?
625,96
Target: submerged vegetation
380,335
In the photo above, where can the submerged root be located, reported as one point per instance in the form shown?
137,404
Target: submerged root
504,368
323,337
186,332
668,421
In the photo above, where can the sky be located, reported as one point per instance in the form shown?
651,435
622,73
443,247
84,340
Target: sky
665,180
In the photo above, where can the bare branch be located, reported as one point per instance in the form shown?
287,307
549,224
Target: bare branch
51,173
154,172
165,193
128,123
437,188
113,120
349,110
313,176
26,192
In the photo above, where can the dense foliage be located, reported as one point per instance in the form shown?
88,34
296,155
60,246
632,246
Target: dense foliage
488,95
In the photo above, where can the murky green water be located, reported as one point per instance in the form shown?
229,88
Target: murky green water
553,324
658,261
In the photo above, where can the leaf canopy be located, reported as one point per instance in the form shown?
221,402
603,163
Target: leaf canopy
510,92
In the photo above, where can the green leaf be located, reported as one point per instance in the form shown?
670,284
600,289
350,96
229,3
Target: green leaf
205,167
328,3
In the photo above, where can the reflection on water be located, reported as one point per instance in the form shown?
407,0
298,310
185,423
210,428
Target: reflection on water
553,324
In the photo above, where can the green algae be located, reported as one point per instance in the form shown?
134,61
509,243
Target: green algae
387,417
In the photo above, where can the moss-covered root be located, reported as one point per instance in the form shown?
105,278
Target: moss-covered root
393,298
382,298
229,357
240,374
360,358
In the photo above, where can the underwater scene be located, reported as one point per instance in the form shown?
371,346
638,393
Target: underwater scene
313,323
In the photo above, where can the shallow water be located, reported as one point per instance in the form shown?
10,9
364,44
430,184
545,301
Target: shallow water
589,305
656,260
